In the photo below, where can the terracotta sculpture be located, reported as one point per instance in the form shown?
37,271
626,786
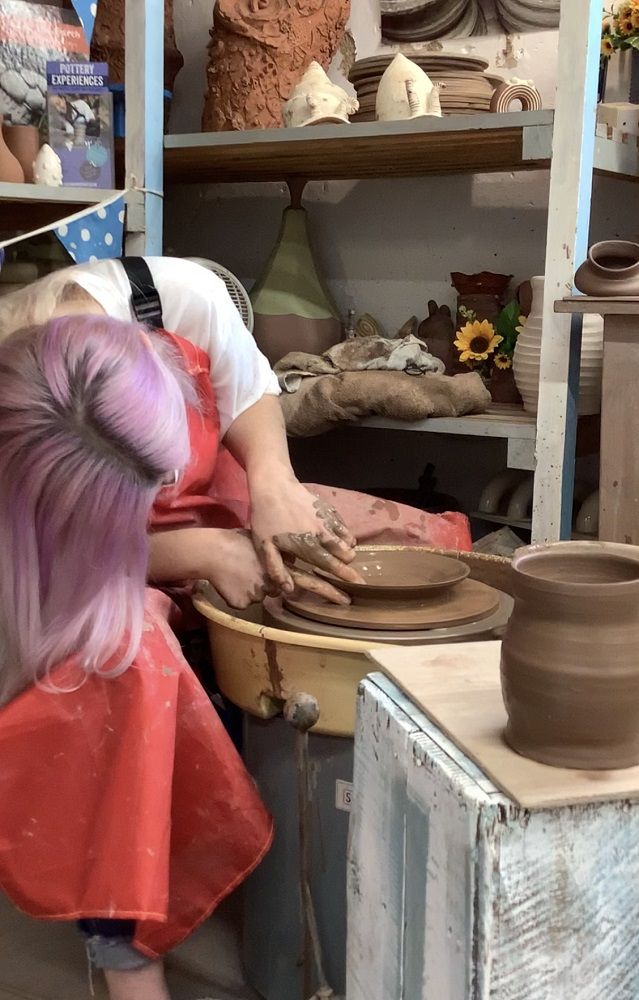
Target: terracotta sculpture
107,44
259,50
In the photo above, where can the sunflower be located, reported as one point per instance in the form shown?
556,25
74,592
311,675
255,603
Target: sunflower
607,47
625,25
503,361
477,340
522,324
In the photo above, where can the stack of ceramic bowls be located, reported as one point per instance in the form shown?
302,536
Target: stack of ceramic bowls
466,89
528,15
425,20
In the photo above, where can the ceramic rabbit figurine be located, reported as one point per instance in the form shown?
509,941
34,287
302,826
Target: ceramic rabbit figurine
316,99
405,92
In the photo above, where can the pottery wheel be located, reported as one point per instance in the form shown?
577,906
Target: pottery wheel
469,601
277,616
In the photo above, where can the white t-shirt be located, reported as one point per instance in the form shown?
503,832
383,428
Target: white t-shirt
196,306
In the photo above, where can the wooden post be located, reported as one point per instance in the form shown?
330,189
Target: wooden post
144,145
568,225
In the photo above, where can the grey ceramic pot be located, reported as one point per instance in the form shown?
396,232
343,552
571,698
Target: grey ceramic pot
611,270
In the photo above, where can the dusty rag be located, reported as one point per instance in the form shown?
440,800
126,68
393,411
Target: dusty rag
358,355
321,403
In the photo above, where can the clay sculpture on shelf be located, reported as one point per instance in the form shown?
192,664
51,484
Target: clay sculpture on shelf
405,91
257,52
316,100
482,294
438,333
611,268
107,44
570,670
47,167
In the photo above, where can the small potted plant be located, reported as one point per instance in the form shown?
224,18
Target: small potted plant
488,348
620,33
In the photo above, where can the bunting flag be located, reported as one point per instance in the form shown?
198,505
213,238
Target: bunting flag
96,235
86,11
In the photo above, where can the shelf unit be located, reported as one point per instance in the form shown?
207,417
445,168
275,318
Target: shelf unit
563,140
27,206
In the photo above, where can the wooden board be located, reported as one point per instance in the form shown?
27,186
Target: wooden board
584,304
619,470
458,687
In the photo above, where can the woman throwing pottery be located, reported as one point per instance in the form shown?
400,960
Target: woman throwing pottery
240,472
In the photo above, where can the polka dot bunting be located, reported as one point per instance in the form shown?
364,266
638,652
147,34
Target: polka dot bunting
86,11
97,236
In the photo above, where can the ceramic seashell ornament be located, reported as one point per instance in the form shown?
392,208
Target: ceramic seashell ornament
405,92
316,99
47,167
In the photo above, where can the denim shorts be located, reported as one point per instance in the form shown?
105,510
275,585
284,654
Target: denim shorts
109,945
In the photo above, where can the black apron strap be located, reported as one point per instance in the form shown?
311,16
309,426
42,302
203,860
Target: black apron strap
145,298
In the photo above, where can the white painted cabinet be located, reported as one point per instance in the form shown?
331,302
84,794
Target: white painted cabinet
457,893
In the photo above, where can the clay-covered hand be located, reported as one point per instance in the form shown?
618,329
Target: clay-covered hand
289,523
234,569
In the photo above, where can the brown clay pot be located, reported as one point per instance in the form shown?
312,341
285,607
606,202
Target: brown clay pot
10,169
24,143
570,655
481,293
612,268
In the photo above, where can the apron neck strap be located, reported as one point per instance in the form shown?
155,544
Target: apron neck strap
145,298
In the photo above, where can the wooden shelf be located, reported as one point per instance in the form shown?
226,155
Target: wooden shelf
28,206
452,145
584,304
456,144
509,423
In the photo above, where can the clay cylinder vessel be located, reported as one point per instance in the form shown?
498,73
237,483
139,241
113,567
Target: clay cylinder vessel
10,169
570,655
24,143
612,268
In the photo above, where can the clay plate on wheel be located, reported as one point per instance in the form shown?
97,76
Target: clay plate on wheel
468,601
404,575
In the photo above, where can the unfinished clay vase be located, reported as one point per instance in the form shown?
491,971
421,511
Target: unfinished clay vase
316,100
527,357
570,655
405,91
24,143
47,167
257,53
612,268
292,308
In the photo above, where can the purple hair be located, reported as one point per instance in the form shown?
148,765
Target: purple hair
92,418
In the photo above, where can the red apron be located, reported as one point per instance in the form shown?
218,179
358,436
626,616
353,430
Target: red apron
213,491
126,799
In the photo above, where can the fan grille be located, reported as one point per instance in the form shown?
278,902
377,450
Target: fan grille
235,288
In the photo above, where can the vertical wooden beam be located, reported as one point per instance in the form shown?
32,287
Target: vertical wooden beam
619,476
567,242
144,27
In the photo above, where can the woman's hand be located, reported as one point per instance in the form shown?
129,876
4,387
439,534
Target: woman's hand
289,523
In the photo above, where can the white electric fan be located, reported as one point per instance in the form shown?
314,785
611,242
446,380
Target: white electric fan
234,287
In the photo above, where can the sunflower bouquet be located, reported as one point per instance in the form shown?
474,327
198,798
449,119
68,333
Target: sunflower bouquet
485,346
620,28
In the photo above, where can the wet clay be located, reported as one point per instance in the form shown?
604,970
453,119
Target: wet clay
277,336
469,601
570,655
401,576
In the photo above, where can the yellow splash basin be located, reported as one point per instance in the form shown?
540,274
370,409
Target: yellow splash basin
258,667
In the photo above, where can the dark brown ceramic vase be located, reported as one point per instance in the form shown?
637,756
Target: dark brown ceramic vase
481,293
570,655
612,268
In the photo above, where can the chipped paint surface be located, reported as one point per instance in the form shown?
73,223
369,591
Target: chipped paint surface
456,892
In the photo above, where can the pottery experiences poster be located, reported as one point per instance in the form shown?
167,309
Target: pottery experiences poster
80,118
430,20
